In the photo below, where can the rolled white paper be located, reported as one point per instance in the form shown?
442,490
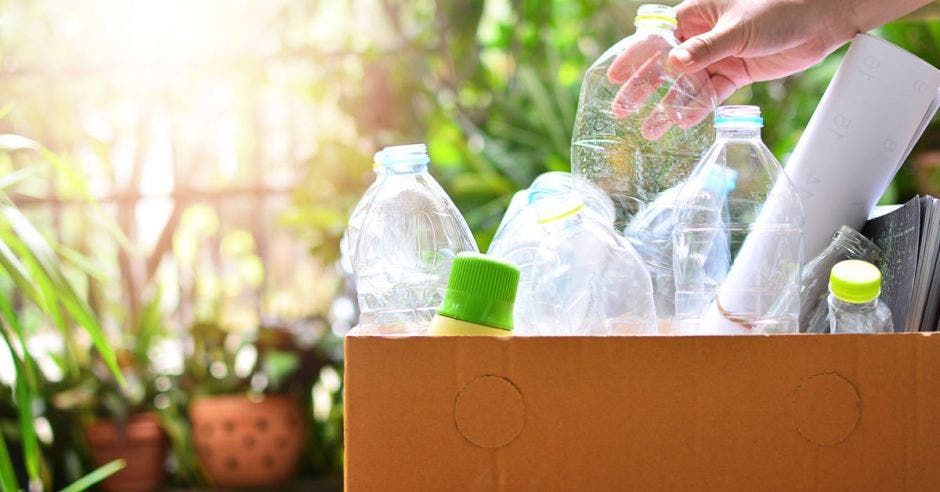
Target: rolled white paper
874,111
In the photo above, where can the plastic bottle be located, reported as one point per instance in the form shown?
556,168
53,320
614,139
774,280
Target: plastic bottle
847,244
350,239
639,128
650,234
479,300
737,257
584,280
410,236
854,307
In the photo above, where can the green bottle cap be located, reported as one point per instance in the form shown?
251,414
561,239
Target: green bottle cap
481,290
855,281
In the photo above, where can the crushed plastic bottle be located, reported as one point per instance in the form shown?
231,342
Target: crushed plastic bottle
409,238
641,126
520,224
737,255
847,244
854,307
584,280
350,239
650,234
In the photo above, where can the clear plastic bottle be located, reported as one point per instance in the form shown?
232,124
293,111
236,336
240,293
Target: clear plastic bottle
350,239
847,244
409,238
584,280
737,257
641,126
650,234
854,307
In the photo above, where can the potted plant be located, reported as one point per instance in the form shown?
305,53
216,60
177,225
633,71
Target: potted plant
248,425
118,421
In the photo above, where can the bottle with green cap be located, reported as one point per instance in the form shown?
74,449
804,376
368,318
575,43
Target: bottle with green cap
854,307
479,298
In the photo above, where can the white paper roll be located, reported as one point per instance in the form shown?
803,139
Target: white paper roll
874,111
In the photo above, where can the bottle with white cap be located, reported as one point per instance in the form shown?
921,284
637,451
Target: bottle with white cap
409,238
585,279
854,307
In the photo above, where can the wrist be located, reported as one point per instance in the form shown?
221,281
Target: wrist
865,15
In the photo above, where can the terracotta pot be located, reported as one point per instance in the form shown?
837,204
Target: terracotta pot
247,443
140,442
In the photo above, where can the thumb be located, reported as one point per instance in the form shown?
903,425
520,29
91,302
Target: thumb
707,48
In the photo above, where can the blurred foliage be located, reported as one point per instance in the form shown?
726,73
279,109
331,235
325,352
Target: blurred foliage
492,87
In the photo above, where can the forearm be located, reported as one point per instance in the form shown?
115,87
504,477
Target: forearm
866,15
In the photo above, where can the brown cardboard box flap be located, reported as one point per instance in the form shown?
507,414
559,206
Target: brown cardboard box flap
803,412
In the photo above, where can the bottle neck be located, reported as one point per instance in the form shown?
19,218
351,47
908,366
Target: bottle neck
658,28
854,306
739,132
405,168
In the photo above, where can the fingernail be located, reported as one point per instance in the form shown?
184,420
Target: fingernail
682,55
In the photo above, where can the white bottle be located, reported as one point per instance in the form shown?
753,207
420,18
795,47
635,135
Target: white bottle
350,240
737,255
854,307
410,236
641,126
584,279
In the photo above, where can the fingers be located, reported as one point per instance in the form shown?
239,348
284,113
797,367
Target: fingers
635,55
707,48
643,84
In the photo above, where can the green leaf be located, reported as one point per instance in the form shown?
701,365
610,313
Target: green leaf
49,268
24,404
7,475
96,476
5,110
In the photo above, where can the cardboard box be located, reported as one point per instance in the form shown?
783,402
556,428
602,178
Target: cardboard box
800,412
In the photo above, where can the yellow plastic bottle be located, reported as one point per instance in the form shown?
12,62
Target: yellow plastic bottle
479,300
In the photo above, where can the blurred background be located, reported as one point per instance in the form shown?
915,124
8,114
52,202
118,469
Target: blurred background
191,165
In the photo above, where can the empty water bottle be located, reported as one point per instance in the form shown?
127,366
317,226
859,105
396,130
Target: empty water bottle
350,239
584,280
738,254
854,307
639,130
410,236
847,244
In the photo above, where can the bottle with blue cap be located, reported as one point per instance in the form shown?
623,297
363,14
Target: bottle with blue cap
350,240
409,238
738,238
641,125
854,307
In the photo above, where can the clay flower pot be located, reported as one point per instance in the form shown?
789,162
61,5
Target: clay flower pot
247,443
140,442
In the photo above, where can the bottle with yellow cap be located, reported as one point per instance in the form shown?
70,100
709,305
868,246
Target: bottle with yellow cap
479,299
642,125
854,307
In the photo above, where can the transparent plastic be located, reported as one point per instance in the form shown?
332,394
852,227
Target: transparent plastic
584,279
847,244
409,238
641,126
738,255
870,317
350,239
650,233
